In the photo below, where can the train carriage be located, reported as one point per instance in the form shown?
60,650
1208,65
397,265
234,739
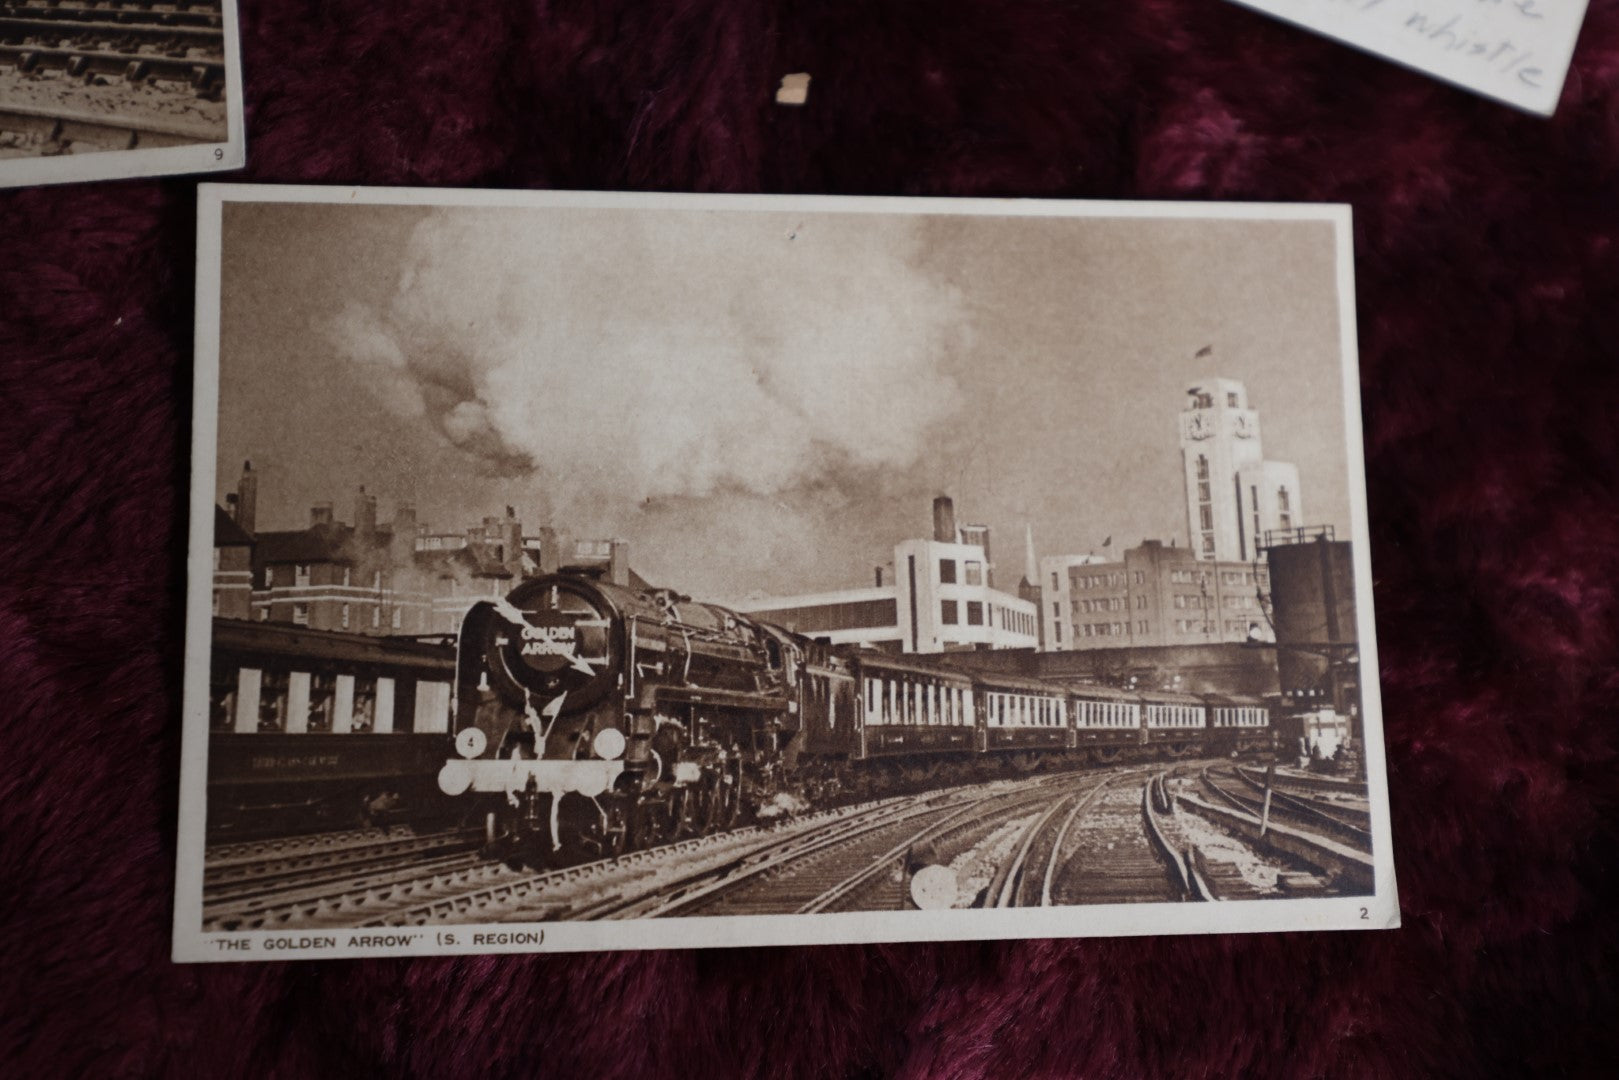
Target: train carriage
911,708
1174,722
316,729
1022,714
1106,721
1237,723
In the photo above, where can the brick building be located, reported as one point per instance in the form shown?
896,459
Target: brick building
387,578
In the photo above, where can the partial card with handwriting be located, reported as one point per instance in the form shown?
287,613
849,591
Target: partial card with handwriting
1516,51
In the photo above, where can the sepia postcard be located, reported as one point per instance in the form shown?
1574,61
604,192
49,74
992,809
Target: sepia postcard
117,89
610,571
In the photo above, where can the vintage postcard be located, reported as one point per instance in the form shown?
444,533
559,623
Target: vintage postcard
118,88
606,571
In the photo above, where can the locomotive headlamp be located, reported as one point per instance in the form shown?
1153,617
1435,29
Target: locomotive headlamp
470,742
608,744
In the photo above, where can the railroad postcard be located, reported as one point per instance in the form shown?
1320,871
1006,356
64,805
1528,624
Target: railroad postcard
117,89
605,571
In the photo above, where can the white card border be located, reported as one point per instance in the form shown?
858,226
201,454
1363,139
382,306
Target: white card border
1380,910
1396,50
159,161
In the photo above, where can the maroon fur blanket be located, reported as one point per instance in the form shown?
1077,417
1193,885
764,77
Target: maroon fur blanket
1488,278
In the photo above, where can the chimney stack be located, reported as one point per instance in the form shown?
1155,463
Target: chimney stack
320,514
405,529
365,513
247,498
550,550
944,520
511,541
618,564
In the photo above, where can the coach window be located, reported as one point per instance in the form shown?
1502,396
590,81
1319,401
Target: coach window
273,701
975,572
947,571
322,698
300,573
216,604
396,618
300,614
221,697
345,616
948,612
975,613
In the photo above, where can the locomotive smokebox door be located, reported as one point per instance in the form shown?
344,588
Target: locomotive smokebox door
551,639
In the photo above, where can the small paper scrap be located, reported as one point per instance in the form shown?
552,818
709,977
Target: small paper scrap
794,89
1516,51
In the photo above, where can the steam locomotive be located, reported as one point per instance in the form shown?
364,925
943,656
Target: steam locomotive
594,718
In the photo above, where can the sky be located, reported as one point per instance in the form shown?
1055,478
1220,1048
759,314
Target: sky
765,402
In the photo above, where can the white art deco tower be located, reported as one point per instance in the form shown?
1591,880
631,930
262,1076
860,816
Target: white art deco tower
1233,495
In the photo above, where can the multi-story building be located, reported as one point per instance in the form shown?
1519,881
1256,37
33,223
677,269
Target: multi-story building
940,597
383,578
233,568
1233,495
1157,595
1056,598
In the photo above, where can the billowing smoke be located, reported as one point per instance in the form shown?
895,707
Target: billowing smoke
623,361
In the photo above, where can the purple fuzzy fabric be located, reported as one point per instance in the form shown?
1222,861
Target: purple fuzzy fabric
1487,267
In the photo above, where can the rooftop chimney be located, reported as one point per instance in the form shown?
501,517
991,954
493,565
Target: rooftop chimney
944,520
405,529
511,541
550,551
365,513
247,498
320,514
618,564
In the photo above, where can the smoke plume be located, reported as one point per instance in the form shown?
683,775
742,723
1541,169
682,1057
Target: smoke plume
622,361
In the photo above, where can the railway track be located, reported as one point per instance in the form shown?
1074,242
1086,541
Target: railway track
457,887
256,877
64,128
197,15
128,41
1229,848
851,865
1027,879
1245,793
1108,856
1067,839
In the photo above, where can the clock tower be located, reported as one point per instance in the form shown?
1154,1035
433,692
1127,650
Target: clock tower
1220,439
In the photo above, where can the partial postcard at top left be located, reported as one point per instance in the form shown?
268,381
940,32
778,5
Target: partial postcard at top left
124,88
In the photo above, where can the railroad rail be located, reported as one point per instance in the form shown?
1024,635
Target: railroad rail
1348,868
256,877
1309,813
117,14
203,75
67,127
52,25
